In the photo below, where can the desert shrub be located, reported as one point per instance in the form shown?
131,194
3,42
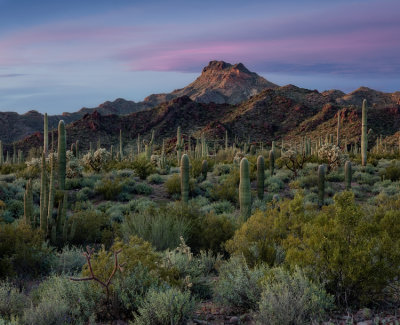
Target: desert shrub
91,226
134,252
238,287
392,172
142,167
218,207
227,188
108,188
255,239
293,161
12,301
274,184
308,181
165,306
84,194
356,254
69,261
366,178
15,209
222,169
291,299
173,185
155,179
213,231
195,270
23,253
143,188
58,300
161,227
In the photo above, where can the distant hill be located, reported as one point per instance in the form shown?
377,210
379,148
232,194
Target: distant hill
287,112
219,82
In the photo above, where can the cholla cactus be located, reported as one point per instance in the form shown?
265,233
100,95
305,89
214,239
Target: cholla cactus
238,157
332,155
96,160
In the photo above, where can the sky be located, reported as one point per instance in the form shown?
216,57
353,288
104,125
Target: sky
58,56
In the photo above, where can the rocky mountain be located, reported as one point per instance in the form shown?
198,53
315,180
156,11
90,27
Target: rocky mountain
287,113
219,82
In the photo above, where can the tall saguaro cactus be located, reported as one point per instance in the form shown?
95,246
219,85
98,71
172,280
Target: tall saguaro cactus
244,190
347,174
45,134
43,196
50,204
364,134
271,162
179,144
185,178
120,144
28,203
260,177
338,130
321,185
62,155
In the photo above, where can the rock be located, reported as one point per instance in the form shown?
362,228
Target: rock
234,320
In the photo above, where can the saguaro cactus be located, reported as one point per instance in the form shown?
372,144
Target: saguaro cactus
45,134
260,177
204,168
28,203
178,145
43,196
51,192
62,155
226,139
2,157
347,174
185,178
338,130
120,144
271,162
364,134
321,185
244,190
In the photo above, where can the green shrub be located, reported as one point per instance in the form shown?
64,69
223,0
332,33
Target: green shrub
155,179
219,207
108,188
143,188
238,287
58,300
196,270
227,189
165,306
392,172
355,253
69,261
291,299
91,226
12,301
84,194
23,253
161,227
142,167
173,185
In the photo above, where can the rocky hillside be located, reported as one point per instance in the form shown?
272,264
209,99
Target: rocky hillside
287,113
220,82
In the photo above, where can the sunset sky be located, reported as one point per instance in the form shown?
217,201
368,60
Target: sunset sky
58,56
